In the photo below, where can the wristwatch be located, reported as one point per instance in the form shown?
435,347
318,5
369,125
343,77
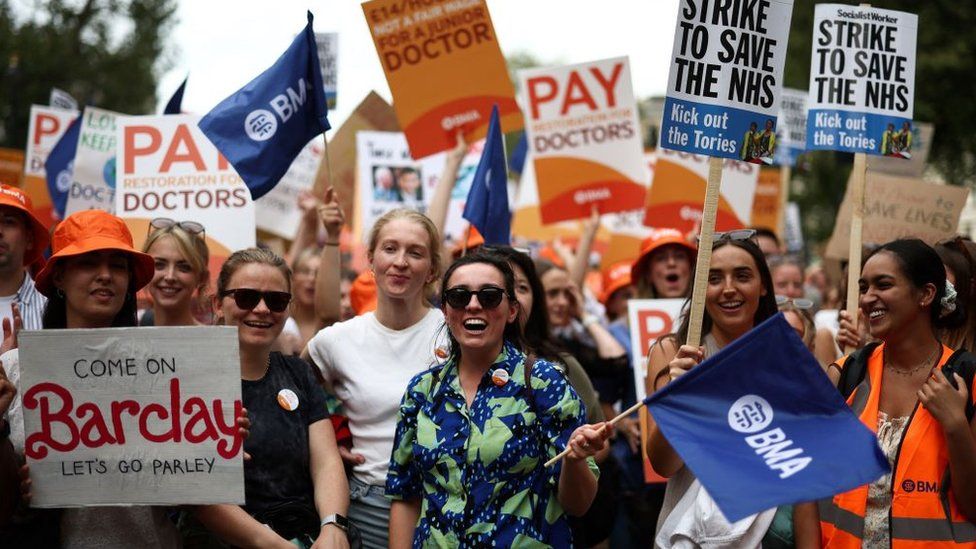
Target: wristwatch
337,519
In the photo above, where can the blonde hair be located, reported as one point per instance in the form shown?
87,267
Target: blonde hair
192,248
433,239
809,328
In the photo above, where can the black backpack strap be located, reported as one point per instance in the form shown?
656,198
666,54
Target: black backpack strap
527,370
855,368
963,362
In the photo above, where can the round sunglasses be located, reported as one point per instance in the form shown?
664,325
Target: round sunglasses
247,299
459,297
163,223
799,302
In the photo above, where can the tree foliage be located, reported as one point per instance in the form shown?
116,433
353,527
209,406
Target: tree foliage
944,95
106,53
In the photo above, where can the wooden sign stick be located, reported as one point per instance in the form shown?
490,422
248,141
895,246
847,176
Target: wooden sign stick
858,179
702,264
785,175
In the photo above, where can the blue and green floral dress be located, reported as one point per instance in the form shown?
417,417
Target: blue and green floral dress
479,471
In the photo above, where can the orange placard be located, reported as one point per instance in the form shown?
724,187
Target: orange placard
767,203
445,69
11,166
678,192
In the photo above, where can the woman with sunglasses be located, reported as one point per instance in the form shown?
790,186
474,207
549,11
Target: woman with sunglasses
739,296
516,413
294,484
90,281
368,360
918,413
181,275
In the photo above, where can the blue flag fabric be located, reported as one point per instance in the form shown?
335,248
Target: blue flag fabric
59,166
175,103
517,161
760,425
262,127
487,204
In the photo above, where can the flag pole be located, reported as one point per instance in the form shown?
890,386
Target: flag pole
702,263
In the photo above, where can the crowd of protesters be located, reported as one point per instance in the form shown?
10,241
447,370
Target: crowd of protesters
434,390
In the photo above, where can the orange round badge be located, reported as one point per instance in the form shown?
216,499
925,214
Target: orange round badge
499,377
288,400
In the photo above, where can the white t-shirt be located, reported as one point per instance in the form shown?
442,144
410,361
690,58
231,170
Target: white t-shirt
369,367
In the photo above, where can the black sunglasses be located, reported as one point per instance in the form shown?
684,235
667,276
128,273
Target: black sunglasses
489,297
247,299
162,223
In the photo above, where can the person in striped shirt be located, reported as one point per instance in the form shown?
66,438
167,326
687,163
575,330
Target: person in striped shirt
23,239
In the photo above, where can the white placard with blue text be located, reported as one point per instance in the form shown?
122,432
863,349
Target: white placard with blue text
862,80
725,78
791,133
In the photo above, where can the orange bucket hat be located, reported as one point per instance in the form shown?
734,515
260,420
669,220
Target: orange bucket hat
659,238
474,240
91,231
362,295
16,198
615,277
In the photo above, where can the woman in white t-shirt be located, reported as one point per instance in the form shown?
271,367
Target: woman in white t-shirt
369,360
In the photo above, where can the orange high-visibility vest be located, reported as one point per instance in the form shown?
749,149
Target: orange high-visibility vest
924,512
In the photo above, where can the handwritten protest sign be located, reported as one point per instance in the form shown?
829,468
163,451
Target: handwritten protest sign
899,207
791,133
584,137
678,190
47,125
93,185
277,212
862,80
168,168
725,78
327,44
141,416
649,319
445,69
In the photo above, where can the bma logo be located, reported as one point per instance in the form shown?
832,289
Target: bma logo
910,486
260,125
750,414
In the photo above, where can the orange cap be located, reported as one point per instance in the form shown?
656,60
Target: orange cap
92,231
362,295
549,253
474,240
16,198
615,277
658,239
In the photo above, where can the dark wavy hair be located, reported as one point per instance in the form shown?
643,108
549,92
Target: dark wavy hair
767,303
55,316
921,265
538,337
512,332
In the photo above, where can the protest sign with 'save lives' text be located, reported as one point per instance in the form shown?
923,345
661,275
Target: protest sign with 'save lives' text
862,80
725,78
584,138
132,416
445,69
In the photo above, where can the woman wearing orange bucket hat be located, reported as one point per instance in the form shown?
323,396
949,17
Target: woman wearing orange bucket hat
664,267
90,280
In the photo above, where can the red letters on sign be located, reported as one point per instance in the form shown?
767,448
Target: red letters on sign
46,125
86,425
181,148
648,335
543,89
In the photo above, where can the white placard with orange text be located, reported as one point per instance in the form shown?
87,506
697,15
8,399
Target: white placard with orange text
47,125
168,168
132,416
584,139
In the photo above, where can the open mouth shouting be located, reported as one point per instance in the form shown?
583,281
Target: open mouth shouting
475,325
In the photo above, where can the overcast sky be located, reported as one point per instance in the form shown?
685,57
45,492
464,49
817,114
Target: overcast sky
223,44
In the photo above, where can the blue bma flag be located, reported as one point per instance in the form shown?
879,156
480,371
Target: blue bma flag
60,164
487,204
175,103
262,127
760,425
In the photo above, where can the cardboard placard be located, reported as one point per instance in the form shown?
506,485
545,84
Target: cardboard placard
899,207
791,132
678,190
168,168
277,212
93,186
584,139
132,416
862,80
445,69
649,319
725,78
